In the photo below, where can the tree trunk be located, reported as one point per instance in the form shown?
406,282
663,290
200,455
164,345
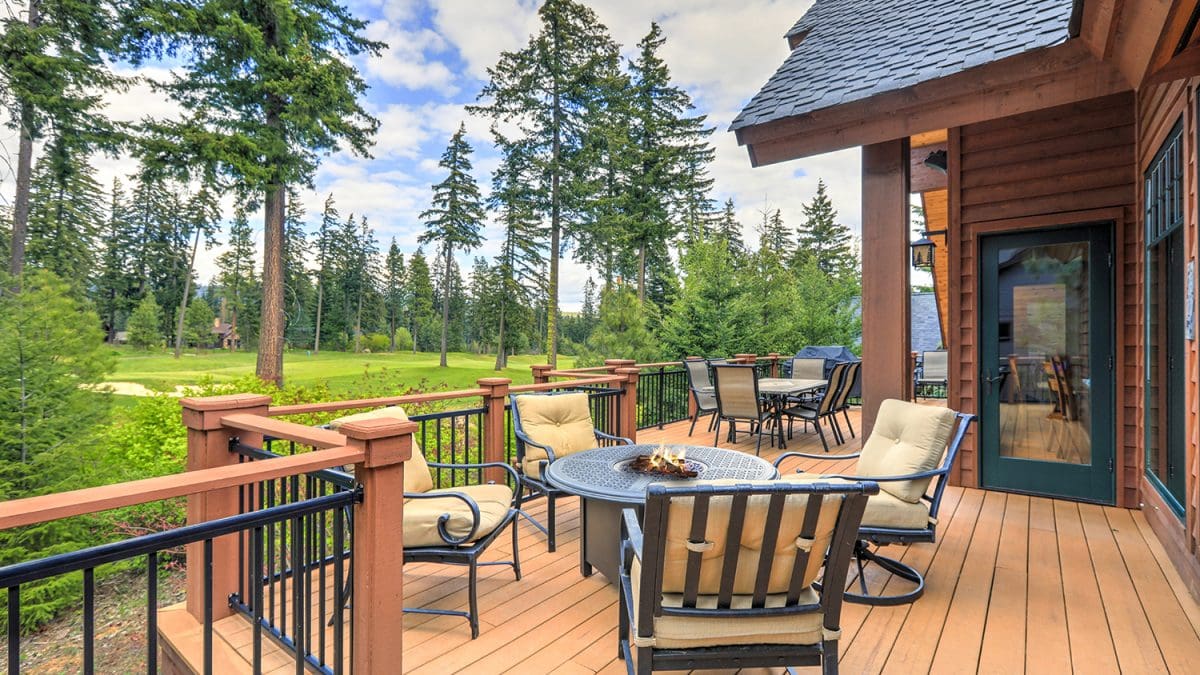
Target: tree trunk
320,303
445,303
183,303
391,326
642,273
270,341
501,353
20,223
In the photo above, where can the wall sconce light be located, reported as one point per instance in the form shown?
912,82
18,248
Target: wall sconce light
937,160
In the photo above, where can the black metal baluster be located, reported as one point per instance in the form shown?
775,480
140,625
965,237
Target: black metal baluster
298,590
320,622
454,452
270,555
284,562
14,630
152,613
438,436
208,608
339,597
89,620
257,564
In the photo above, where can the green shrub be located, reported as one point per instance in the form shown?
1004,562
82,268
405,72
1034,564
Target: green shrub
377,342
404,340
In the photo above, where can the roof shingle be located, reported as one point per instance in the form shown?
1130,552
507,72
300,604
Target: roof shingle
855,49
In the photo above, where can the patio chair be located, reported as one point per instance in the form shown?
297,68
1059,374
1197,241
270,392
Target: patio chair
842,404
706,401
935,372
548,426
807,369
452,526
825,407
911,445
722,574
738,400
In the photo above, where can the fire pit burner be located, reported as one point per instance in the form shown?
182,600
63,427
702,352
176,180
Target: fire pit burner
651,464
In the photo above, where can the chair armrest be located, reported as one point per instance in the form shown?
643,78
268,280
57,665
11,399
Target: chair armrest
632,531
445,535
485,465
525,440
620,439
806,455
890,479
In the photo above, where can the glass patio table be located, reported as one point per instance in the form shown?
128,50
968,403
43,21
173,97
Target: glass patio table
606,486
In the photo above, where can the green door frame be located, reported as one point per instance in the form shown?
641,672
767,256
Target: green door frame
1096,481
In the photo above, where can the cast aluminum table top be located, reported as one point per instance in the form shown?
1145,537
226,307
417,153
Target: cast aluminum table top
603,473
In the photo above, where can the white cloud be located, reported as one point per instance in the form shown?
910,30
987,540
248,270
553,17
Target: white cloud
406,62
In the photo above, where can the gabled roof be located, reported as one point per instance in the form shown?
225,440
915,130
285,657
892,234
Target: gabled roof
849,50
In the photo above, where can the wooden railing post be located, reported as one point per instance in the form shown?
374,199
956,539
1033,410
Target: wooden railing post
208,447
494,434
378,553
748,359
628,402
690,398
774,356
539,372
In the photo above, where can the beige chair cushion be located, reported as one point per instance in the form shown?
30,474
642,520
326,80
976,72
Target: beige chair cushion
907,438
416,471
561,421
686,632
883,509
421,515
679,525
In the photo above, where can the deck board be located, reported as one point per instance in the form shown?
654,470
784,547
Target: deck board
1015,584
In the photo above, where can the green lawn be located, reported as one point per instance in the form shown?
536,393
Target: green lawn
339,369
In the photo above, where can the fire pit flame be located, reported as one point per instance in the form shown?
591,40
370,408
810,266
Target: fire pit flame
665,462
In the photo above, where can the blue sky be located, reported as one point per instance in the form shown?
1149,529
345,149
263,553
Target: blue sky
721,51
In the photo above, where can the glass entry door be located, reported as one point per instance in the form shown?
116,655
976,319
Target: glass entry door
1046,363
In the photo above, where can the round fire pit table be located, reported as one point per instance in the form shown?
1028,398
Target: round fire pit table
605,484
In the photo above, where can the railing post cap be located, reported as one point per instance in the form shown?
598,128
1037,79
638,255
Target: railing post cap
774,355
204,413
619,362
631,374
493,382
541,367
384,441
373,429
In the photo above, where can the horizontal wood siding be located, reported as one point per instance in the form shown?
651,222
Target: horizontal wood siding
1043,169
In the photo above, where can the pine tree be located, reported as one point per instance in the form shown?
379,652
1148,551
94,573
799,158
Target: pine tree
113,285
203,213
297,284
144,327
455,217
623,330
267,87
66,217
518,269
366,274
54,74
822,239
235,273
544,89
729,230
774,236
326,246
422,323
707,317
393,291
198,326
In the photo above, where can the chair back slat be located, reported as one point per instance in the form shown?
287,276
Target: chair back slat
691,583
849,379
808,369
833,389
697,371
808,531
766,555
737,391
737,520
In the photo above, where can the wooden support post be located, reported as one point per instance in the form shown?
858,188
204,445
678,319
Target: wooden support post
539,372
493,421
378,592
691,398
747,359
774,356
208,447
616,406
885,277
628,402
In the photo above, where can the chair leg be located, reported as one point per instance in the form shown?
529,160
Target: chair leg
473,594
758,444
712,421
645,660
516,559
695,416
846,414
821,433
717,439
550,522
829,657
837,429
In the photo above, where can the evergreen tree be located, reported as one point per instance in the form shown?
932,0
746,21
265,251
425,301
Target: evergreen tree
774,236
422,323
144,327
235,274
822,239
518,269
364,278
266,88
53,76
202,214
706,317
297,284
454,219
66,217
326,248
393,292
729,230
623,330
113,290
545,90
199,324
50,346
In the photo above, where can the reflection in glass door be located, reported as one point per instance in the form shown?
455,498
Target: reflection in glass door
1046,363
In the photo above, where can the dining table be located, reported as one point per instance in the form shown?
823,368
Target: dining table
777,390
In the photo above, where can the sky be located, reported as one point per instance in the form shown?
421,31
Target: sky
720,51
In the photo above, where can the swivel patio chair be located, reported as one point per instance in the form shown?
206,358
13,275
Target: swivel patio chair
549,426
454,525
825,408
935,373
910,445
700,385
723,574
738,400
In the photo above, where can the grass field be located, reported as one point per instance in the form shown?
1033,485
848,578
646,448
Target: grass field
340,370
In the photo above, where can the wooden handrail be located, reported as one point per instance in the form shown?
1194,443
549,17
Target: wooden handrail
288,431
33,510
334,406
582,382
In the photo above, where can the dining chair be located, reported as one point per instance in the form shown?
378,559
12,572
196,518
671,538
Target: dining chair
700,386
825,407
738,399
807,369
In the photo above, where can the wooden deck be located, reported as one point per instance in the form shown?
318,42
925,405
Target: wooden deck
1015,584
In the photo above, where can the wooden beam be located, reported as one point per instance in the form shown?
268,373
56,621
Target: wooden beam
885,289
1176,31
1137,38
1184,65
1035,80
1100,20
